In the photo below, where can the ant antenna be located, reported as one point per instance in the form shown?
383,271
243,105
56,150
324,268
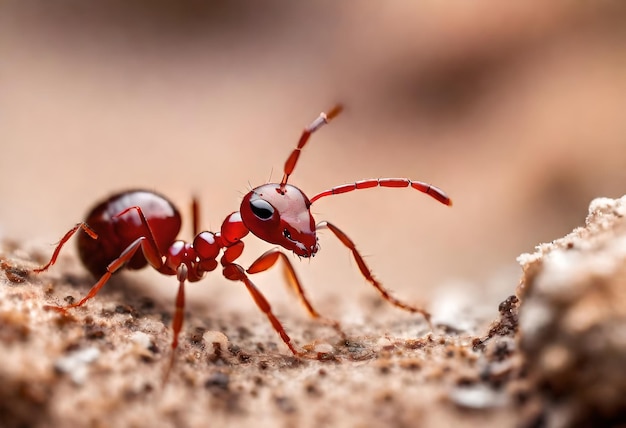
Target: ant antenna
428,189
321,120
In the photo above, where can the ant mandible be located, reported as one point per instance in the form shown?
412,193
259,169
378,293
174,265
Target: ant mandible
135,228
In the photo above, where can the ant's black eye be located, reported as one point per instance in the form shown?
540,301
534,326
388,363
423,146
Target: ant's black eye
287,235
262,209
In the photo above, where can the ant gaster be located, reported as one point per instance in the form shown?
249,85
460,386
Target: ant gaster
135,228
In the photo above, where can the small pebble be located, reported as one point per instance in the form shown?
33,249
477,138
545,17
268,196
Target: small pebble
76,362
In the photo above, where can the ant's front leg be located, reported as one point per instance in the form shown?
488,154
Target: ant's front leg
269,259
369,276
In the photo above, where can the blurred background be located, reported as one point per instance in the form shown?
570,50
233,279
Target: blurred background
516,109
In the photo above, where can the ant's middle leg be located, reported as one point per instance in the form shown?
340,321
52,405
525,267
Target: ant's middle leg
268,259
234,272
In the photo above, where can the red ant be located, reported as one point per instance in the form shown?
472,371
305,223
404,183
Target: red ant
135,228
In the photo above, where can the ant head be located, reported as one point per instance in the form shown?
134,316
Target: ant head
280,214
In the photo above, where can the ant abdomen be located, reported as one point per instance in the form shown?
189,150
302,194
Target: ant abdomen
118,225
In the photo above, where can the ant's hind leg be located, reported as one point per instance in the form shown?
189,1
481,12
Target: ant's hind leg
195,215
179,315
113,267
88,230
268,259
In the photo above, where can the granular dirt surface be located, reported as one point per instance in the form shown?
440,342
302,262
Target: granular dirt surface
103,364
551,358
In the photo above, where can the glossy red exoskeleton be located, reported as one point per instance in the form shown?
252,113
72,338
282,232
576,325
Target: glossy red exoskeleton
135,228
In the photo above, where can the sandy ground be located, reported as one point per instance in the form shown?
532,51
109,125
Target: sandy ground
103,365
552,358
